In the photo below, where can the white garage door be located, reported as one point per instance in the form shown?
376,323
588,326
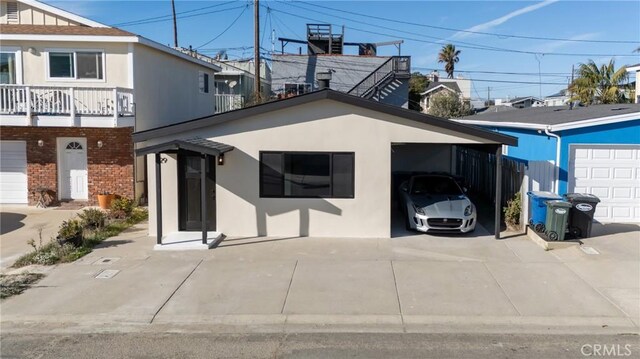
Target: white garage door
13,172
611,172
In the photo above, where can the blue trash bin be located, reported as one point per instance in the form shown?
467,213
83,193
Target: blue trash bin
538,208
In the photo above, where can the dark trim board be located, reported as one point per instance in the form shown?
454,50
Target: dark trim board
197,145
199,123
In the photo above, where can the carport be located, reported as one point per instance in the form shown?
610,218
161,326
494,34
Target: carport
409,159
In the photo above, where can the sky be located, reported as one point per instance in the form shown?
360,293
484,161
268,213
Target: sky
526,67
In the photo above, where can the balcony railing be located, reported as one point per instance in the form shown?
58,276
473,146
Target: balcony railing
69,101
226,103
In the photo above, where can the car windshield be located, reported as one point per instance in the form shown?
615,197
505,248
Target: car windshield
435,185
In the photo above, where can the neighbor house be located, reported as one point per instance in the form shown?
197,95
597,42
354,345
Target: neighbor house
560,98
381,78
72,93
316,164
458,86
521,102
594,149
234,84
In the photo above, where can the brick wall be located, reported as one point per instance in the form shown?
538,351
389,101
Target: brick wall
110,168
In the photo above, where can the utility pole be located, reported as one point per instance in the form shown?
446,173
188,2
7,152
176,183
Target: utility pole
175,24
488,96
256,50
571,92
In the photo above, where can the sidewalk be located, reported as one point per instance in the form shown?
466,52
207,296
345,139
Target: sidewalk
19,224
415,283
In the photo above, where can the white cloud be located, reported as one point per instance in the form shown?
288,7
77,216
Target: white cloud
495,22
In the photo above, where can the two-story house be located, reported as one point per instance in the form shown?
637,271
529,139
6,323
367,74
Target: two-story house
234,84
73,91
437,85
381,78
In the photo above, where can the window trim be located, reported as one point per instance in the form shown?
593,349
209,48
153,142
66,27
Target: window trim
47,51
329,153
18,53
206,82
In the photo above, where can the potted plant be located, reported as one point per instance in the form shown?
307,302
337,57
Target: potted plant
105,199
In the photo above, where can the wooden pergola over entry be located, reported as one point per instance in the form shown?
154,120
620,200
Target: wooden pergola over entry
204,148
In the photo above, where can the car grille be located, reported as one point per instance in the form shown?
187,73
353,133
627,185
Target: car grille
444,222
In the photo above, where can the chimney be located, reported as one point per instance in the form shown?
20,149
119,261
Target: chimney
436,76
324,80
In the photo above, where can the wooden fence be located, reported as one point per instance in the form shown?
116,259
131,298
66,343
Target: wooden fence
479,171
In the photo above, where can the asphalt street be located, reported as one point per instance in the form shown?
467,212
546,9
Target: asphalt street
312,345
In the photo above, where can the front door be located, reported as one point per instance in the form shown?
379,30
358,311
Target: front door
190,218
73,168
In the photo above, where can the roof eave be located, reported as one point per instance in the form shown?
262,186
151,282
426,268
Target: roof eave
320,95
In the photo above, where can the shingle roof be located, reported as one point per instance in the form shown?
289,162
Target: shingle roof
288,103
555,115
451,85
62,30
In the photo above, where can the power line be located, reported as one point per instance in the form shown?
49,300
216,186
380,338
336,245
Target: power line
171,15
470,31
179,17
226,29
477,47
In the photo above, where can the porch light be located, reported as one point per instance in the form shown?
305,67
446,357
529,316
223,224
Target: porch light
221,159
100,144
40,143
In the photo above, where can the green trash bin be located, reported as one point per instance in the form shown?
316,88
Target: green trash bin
556,221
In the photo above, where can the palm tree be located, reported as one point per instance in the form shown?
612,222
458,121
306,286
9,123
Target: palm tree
449,55
599,84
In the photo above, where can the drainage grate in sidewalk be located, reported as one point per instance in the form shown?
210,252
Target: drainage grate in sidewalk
108,273
589,250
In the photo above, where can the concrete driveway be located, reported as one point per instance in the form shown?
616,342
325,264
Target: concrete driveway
19,224
411,283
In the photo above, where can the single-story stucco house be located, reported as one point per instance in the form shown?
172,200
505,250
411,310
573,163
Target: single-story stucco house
318,164
597,149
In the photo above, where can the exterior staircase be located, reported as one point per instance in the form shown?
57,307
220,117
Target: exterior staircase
384,78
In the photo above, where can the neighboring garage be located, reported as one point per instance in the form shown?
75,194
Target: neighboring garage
13,172
611,172
594,149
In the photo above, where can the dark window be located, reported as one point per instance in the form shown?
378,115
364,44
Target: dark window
307,174
61,64
89,65
7,68
296,89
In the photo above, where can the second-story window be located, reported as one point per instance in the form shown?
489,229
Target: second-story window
76,65
7,68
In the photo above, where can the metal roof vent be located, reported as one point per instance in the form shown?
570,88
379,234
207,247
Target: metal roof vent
12,11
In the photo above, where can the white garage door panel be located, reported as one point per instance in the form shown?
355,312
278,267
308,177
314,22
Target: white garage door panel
610,172
13,172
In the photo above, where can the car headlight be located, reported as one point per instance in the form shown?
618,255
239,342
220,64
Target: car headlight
469,210
418,209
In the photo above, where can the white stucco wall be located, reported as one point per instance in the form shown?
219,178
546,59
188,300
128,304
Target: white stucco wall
167,89
324,125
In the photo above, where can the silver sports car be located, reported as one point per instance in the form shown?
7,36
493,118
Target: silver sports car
436,203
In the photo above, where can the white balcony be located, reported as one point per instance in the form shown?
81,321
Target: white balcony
226,103
23,105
